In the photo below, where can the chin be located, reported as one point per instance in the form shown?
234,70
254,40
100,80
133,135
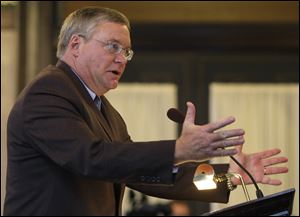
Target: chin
112,87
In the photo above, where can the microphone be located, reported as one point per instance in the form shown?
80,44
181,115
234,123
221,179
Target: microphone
178,117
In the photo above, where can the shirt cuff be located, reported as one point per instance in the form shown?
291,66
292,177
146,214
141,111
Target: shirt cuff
175,170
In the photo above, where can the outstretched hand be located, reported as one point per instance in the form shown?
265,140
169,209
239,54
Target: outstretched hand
260,165
201,142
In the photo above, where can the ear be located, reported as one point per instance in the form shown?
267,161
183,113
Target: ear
74,45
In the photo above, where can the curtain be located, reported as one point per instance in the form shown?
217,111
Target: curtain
8,93
269,114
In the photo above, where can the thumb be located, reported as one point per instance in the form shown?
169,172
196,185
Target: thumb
190,113
239,148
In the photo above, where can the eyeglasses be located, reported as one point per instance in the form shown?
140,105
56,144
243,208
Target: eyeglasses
116,48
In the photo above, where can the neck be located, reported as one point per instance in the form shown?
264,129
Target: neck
83,76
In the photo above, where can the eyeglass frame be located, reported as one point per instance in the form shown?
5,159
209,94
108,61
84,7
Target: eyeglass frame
109,47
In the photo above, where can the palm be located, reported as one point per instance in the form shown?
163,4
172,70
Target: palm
259,166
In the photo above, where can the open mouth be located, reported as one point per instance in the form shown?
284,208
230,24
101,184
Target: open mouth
115,72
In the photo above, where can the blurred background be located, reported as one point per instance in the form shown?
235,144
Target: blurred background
237,58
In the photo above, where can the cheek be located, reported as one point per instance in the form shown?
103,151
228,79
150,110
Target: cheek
99,69
96,60
99,60
96,64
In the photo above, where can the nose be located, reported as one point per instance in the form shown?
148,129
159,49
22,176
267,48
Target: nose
120,58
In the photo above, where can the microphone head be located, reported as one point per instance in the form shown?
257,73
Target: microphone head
176,115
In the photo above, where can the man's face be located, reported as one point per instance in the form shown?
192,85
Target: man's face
97,66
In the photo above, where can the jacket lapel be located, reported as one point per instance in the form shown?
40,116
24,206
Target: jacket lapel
99,114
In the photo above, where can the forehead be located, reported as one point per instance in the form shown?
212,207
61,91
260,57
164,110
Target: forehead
114,32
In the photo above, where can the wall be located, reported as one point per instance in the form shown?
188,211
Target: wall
198,11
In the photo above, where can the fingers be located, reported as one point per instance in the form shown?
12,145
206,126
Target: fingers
202,142
190,113
273,161
228,143
275,170
223,152
271,171
267,180
220,141
218,124
227,134
270,153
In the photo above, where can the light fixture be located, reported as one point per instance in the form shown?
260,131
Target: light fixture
205,179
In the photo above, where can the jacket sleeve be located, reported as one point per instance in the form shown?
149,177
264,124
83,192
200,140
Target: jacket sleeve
56,127
184,189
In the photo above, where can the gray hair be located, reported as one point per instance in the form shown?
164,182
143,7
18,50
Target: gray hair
83,22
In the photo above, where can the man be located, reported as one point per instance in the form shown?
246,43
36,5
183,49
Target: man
69,152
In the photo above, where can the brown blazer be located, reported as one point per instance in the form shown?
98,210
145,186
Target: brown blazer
67,158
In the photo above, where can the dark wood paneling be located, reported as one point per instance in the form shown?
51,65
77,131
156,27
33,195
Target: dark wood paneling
198,11
216,37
